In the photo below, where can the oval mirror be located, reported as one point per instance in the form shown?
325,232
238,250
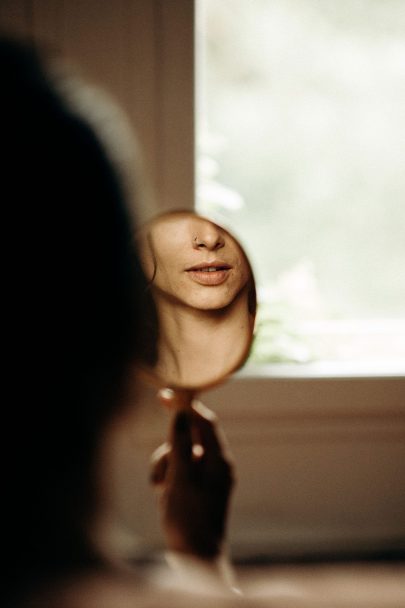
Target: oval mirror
201,301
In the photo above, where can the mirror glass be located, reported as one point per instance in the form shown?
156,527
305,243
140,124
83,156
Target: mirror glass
201,300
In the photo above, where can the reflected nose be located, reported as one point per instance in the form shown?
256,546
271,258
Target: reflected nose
208,236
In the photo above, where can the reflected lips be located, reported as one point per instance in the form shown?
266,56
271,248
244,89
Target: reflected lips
209,273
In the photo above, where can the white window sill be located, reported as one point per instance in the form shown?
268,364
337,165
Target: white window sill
325,370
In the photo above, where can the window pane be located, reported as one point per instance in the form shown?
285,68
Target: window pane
301,152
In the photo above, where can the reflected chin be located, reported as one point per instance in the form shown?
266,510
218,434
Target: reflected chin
212,302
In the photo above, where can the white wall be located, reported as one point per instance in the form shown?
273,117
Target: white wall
320,465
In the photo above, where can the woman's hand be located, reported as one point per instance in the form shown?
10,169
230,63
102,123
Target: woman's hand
195,476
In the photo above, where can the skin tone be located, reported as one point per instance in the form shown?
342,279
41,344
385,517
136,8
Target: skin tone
186,477
200,281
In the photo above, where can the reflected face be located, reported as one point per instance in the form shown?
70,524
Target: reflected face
194,262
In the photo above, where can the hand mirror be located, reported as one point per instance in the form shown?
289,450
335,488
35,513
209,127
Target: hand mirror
201,301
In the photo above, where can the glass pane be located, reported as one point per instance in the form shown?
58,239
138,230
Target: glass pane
301,152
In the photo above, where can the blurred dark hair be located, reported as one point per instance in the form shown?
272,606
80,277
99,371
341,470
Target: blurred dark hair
74,309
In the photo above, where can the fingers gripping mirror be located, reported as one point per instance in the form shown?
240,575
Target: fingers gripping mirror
201,301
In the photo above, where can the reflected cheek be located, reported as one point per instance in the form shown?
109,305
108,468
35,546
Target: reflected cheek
173,284
240,278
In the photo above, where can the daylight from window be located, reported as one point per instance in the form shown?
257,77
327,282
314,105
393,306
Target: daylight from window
301,153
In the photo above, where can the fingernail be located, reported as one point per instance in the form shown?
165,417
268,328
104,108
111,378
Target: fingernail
182,423
166,393
198,450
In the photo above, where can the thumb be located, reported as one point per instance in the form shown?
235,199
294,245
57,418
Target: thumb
159,463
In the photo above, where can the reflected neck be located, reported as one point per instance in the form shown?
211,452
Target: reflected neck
198,347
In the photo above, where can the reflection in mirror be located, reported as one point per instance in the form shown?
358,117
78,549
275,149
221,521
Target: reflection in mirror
202,300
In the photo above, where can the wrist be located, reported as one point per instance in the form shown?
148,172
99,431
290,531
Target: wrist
206,575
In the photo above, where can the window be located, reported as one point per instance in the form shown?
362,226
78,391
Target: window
301,152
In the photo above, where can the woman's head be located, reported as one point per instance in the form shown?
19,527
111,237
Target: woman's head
74,310
193,262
